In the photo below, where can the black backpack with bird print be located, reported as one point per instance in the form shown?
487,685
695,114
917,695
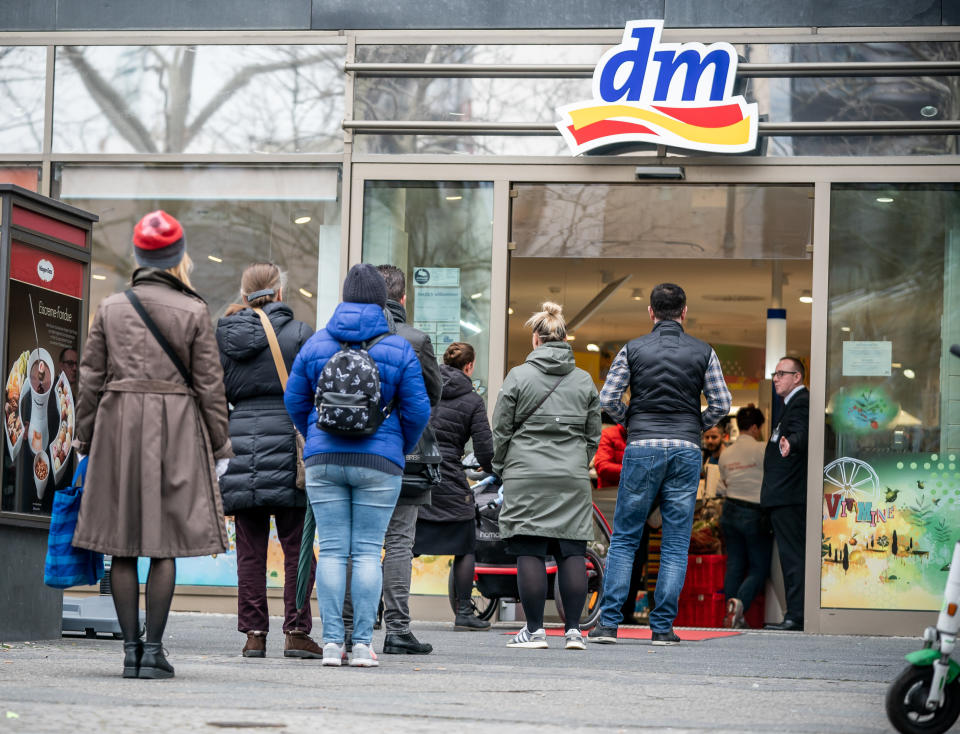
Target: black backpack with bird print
348,394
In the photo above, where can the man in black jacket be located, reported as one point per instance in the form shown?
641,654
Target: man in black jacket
784,492
398,543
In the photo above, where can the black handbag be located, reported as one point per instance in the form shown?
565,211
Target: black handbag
422,470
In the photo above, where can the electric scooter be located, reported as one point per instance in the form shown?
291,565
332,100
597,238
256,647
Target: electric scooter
925,697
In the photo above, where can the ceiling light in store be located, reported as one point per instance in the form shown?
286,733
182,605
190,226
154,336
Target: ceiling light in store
214,258
637,294
302,219
845,328
805,297
470,327
99,277
510,310
929,111
475,296
896,365
909,373
453,198
884,199
593,348
305,293
571,337
457,114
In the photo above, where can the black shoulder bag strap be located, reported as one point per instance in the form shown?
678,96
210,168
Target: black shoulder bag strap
161,339
529,415
368,345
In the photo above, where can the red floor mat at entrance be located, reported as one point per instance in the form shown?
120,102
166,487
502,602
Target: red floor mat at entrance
643,633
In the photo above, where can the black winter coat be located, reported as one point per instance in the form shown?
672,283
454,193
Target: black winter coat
460,416
263,471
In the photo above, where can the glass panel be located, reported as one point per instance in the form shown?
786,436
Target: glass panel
232,224
26,176
662,221
891,504
22,75
440,233
779,100
198,99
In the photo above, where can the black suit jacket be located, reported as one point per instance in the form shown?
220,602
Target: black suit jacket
785,478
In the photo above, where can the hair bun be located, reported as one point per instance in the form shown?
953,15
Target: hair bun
553,309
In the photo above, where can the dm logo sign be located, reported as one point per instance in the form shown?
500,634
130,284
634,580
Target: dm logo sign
675,94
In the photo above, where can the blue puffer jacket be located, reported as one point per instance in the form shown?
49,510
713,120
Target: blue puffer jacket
400,375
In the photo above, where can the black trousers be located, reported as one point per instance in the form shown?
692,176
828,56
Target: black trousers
790,529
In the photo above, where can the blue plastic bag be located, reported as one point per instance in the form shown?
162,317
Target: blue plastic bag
65,565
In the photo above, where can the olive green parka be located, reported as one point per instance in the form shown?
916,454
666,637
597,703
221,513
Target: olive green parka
544,457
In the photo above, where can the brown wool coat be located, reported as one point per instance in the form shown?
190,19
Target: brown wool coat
151,486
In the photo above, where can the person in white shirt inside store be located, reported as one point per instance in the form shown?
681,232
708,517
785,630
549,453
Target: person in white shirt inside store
746,532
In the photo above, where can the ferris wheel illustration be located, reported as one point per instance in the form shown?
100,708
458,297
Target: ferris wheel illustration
852,479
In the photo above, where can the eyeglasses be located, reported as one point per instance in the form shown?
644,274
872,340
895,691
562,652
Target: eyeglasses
781,373
69,362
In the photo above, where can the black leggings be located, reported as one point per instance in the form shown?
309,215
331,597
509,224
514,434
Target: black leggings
532,583
161,581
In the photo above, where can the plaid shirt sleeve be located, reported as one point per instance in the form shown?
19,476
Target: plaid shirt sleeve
716,392
618,378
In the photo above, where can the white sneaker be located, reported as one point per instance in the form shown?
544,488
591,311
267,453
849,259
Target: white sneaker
532,640
363,656
333,654
574,640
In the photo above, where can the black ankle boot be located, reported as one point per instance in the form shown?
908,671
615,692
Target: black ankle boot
466,617
132,653
154,663
404,643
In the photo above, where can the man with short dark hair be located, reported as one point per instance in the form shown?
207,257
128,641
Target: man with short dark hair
69,367
784,492
401,532
745,532
666,371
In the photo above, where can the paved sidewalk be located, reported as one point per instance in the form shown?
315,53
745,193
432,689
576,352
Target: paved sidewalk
755,682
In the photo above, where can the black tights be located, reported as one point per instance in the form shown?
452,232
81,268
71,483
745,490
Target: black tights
463,570
532,583
126,595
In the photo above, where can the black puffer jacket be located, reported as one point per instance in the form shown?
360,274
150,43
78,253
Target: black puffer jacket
460,416
263,472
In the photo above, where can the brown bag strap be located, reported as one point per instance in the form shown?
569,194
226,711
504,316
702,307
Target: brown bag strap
274,347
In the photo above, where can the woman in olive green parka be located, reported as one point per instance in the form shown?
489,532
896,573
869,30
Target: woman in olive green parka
546,428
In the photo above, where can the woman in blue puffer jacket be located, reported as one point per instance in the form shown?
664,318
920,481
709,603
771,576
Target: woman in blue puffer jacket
353,483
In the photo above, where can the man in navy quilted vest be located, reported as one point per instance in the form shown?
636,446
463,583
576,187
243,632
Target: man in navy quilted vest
666,371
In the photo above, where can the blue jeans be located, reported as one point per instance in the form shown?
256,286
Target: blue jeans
673,474
352,506
749,545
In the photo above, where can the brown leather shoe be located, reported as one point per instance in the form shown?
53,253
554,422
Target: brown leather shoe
299,645
256,646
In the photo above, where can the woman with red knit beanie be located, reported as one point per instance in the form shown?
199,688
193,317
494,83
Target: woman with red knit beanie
152,416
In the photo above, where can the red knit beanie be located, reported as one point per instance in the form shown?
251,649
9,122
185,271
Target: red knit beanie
158,240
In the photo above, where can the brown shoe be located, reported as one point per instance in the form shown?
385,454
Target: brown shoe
256,646
299,645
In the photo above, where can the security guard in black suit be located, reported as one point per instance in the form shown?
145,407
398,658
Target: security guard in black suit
784,492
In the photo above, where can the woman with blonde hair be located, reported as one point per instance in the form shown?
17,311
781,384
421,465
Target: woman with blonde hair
260,481
152,416
546,428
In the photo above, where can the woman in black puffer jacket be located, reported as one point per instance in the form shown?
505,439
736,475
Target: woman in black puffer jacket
448,524
260,480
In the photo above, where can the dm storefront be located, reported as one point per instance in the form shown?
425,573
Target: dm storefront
811,171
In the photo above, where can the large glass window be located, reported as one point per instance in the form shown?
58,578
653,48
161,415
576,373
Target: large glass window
22,73
231,216
891,503
198,99
441,235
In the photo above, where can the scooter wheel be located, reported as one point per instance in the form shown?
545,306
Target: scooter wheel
906,700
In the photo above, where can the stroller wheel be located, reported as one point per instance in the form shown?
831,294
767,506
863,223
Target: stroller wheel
591,606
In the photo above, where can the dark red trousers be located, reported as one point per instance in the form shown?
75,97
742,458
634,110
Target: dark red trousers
253,535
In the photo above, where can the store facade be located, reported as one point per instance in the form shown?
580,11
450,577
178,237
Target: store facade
440,151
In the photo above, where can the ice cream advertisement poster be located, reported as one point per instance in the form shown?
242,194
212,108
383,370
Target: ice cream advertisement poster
889,526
